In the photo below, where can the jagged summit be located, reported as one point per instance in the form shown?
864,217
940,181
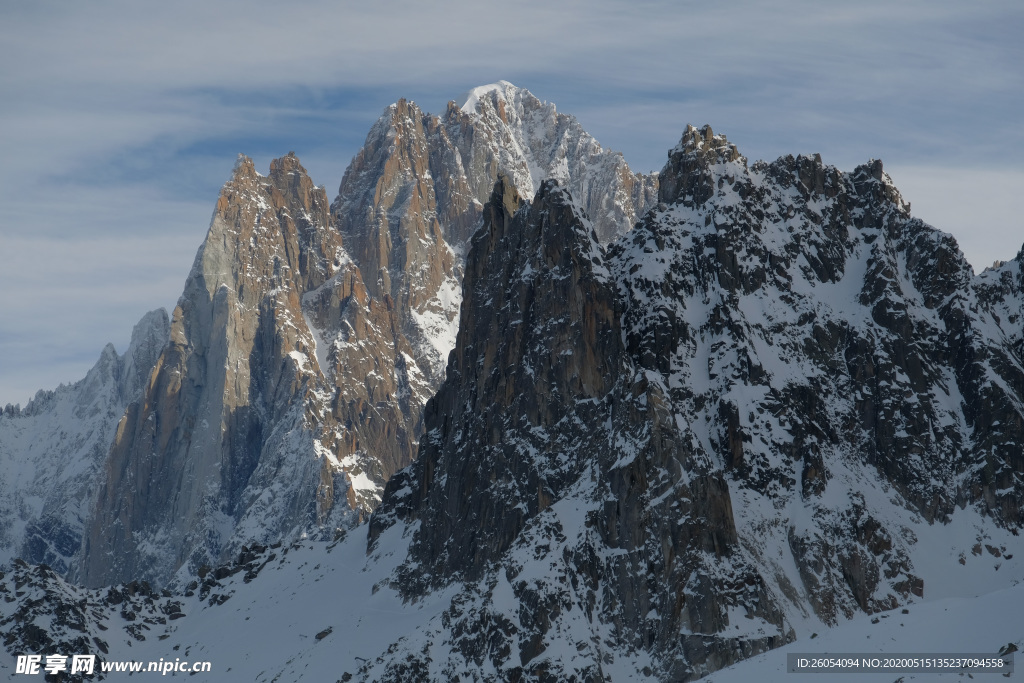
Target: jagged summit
797,409
412,198
689,173
244,167
535,142
704,140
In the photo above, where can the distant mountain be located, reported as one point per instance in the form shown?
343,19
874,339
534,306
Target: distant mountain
411,199
53,451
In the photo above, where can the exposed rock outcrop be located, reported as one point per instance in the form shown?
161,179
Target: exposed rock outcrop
554,473
309,338
664,452
725,423
412,198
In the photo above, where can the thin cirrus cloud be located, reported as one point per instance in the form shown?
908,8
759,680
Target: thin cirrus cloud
120,120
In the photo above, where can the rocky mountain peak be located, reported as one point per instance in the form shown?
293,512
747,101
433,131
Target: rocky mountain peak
229,392
781,335
552,469
290,178
875,185
496,95
516,133
502,205
534,310
689,174
244,169
291,352
412,198
705,142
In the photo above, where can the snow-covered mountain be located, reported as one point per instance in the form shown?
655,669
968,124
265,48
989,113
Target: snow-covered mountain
777,404
316,611
411,199
52,451
766,406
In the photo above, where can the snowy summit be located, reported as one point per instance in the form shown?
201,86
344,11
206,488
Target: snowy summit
470,99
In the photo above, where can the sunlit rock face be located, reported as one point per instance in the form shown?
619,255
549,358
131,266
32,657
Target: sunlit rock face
412,198
232,422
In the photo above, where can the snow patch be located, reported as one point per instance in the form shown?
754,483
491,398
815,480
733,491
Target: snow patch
471,98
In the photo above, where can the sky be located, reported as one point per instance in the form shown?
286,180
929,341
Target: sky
119,121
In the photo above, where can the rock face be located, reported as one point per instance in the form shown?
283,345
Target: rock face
554,479
52,451
309,338
412,197
502,129
834,328
726,423
244,431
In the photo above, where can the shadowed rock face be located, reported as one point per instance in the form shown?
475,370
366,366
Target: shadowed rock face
624,435
548,453
538,332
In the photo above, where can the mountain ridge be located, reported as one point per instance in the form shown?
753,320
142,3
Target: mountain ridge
802,482
777,402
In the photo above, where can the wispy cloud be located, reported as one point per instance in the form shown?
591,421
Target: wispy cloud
119,120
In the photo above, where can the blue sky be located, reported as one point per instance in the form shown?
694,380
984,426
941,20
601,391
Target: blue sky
119,121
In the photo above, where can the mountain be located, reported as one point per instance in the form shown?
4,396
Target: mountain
218,429
310,336
271,613
777,404
412,198
52,451
756,410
